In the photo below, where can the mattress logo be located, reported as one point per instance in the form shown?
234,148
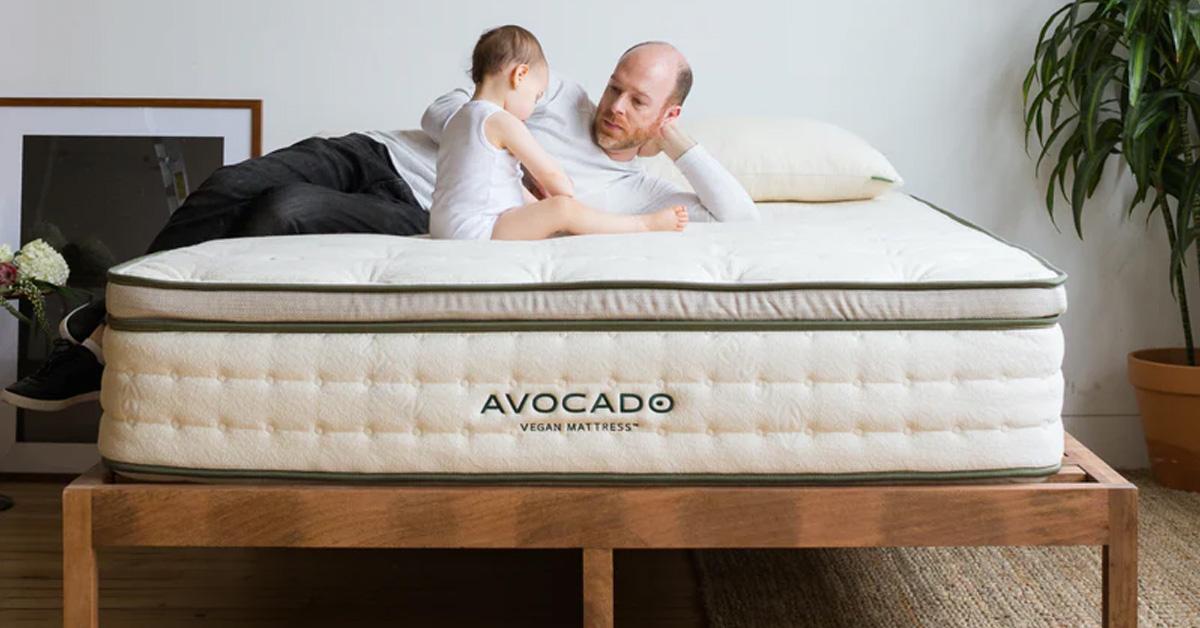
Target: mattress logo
578,403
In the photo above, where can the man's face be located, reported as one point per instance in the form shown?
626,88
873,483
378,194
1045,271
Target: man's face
635,103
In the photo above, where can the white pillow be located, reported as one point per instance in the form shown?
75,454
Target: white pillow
788,159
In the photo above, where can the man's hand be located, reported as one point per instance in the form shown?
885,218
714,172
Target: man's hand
650,148
674,141
671,140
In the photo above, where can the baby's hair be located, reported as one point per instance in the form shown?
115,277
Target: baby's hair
501,46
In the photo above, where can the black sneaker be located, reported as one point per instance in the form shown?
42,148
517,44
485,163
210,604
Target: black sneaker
70,375
80,322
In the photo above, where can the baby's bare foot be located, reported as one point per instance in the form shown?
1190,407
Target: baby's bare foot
669,219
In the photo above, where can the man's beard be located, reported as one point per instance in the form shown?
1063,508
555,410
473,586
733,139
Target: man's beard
626,140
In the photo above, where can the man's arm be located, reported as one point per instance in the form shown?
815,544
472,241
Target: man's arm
434,120
719,193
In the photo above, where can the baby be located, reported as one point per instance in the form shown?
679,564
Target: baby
478,194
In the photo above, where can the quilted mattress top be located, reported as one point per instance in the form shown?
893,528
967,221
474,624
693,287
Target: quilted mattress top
887,259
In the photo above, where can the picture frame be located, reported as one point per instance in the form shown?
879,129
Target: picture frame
238,122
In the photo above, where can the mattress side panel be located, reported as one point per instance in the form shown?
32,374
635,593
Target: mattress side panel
787,402
144,302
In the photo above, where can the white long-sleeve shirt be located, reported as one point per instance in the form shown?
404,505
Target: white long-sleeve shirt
562,123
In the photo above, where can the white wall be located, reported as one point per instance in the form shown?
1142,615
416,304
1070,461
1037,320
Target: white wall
933,83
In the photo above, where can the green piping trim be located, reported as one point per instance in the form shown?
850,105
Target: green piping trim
691,286
472,326
590,478
115,277
884,179
196,286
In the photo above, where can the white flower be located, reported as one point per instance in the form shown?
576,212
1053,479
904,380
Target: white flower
5,254
39,261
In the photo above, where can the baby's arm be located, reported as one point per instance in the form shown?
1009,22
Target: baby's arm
508,132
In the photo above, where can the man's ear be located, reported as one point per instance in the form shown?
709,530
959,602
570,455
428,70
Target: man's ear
518,74
672,113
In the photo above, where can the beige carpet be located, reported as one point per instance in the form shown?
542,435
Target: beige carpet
959,586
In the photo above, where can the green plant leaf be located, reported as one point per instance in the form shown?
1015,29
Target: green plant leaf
1087,176
1090,41
1138,62
1029,76
1098,83
1177,21
1147,123
1092,47
1056,102
1049,21
1139,155
1072,147
1133,12
1049,143
1193,21
1050,189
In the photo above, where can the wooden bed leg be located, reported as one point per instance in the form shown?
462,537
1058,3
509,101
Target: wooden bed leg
1120,576
81,596
597,588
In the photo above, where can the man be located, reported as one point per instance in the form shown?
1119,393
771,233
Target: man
636,115
381,182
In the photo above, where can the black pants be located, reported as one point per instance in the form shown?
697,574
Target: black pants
337,185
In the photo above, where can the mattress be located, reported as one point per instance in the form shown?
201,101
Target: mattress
871,340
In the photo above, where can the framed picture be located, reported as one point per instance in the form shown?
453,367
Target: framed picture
96,178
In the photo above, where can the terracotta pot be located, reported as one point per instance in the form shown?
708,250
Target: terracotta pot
1168,394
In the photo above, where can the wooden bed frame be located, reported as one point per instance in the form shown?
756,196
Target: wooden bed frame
1086,503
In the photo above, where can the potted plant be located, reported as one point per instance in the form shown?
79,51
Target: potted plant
1122,78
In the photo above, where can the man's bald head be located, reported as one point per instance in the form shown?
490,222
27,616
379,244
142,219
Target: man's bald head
645,92
659,55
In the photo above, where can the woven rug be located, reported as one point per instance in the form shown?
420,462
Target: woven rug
990,586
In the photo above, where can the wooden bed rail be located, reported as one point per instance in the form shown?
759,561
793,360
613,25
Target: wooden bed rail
1085,503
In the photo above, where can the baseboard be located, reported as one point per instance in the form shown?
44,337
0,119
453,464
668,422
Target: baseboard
1116,438
69,458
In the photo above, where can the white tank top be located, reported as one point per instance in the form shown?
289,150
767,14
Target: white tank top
476,181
